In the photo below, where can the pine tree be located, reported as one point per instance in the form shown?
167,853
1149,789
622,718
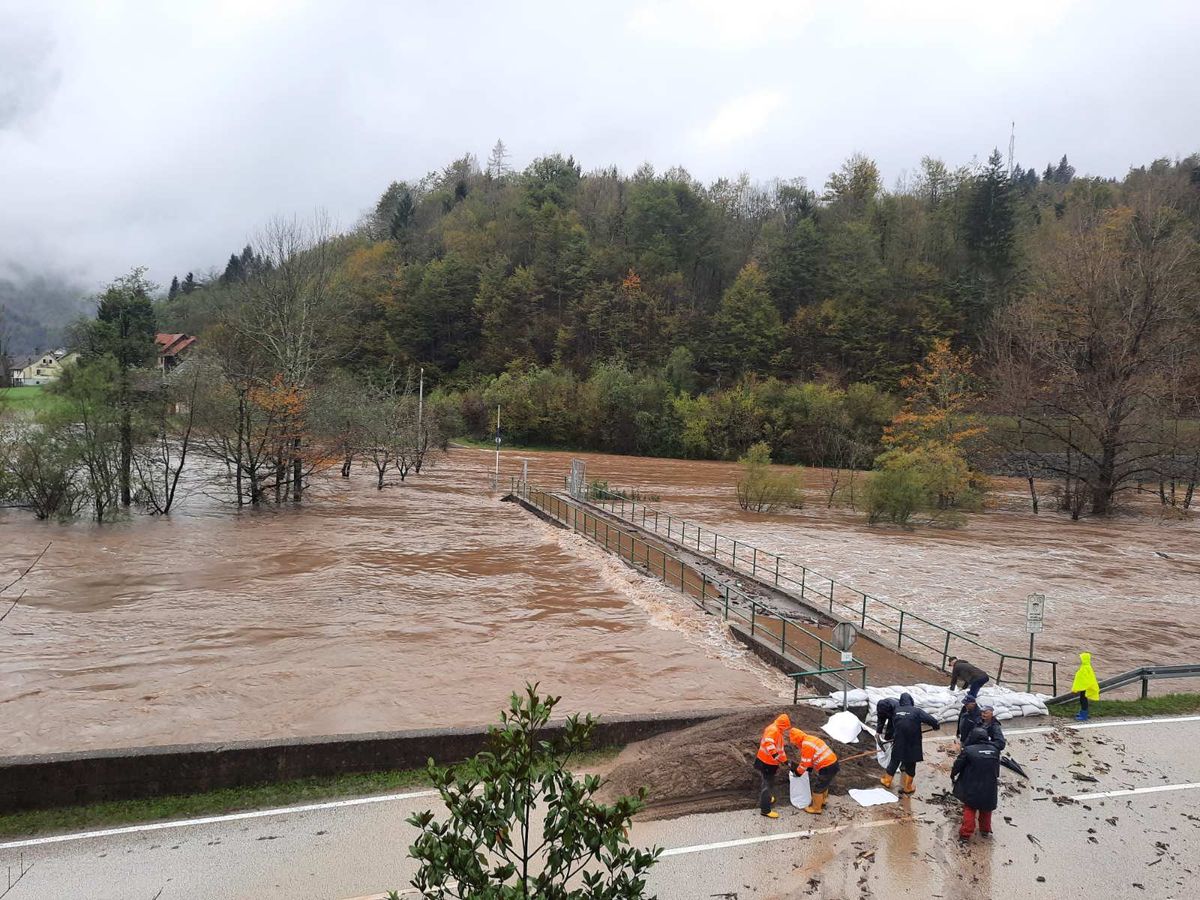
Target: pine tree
189,283
991,223
173,290
233,270
747,331
1065,171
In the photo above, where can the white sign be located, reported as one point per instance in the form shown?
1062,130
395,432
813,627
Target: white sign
1035,613
847,656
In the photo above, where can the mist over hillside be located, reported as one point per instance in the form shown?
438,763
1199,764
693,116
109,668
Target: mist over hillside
36,307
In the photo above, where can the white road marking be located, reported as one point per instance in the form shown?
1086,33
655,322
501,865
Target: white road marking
1119,722
790,835
210,820
1157,789
387,798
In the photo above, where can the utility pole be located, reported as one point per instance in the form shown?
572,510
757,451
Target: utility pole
497,443
420,408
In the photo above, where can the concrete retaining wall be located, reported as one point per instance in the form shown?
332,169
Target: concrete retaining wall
65,779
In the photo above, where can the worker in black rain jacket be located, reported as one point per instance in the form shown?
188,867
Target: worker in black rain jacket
974,715
884,710
976,778
906,751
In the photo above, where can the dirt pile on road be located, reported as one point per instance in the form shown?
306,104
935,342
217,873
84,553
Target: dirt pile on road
710,767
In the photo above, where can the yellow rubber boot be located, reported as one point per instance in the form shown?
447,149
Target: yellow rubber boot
886,781
771,815
818,803
908,785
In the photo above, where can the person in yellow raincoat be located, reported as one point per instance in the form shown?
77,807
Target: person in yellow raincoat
1085,685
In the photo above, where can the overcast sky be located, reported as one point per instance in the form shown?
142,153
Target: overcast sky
164,133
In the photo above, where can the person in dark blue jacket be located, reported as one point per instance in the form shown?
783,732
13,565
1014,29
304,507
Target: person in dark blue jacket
906,750
884,710
976,779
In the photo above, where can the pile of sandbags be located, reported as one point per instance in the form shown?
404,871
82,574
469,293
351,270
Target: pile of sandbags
941,702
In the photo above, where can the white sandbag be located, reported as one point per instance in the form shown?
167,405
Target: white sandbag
800,790
883,754
843,727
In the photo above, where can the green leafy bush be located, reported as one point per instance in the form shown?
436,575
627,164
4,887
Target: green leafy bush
763,489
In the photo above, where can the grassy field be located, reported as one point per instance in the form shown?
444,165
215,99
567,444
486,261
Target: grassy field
1166,705
30,399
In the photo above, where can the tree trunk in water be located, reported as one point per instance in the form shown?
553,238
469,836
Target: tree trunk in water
346,463
126,438
297,472
240,436
1033,497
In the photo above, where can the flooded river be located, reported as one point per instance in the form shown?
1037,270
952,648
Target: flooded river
422,605
426,604
1127,589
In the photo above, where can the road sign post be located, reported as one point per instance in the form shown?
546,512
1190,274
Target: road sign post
843,637
1035,619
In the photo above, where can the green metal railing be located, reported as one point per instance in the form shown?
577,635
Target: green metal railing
887,620
779,632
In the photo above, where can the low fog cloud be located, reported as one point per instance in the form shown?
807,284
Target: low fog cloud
164,134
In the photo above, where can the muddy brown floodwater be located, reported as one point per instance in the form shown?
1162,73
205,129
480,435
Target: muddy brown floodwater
1126,589
422,605
428,603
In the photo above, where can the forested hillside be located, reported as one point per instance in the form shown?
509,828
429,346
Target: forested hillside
965,321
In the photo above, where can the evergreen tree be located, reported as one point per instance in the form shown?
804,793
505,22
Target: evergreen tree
189,283
747,331
991,242
233,270
124,330
1065,171
173,290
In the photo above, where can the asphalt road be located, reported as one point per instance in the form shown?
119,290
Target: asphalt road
1140,844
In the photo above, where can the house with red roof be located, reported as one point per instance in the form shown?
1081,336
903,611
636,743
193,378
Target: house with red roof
172,349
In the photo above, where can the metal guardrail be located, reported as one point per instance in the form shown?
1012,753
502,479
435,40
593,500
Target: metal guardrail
815,589
1145,675
774,630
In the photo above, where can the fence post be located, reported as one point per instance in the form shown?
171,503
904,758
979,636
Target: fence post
656,521
946,650
900,633
754,562
831,595
733,564
668,526
1054,675
703,590
714,545
783,637
776,571
726,603
753,607
864,612
803,573
1145,686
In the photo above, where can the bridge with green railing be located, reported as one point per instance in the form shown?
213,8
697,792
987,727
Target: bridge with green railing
881,617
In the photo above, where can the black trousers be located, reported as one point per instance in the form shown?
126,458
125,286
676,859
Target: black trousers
1083,701
823,778
910,768
767,790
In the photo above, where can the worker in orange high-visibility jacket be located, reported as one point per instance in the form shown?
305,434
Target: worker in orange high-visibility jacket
771,756
817,758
